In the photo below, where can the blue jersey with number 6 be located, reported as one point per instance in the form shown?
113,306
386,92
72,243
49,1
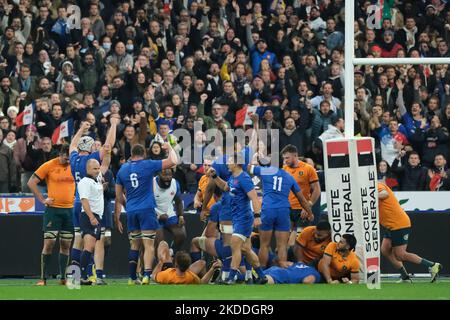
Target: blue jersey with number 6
277,184
136,177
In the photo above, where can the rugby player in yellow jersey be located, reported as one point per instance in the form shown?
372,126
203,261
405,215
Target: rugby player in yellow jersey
339,262
58,210
306,177
311,243
395,241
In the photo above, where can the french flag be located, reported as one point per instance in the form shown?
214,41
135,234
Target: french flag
26,116
64,130
243,115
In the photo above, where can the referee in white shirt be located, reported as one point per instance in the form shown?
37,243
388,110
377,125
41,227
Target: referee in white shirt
90,189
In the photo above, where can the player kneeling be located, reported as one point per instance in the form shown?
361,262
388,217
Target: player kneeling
339,262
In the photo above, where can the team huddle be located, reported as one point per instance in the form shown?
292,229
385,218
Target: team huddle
239,225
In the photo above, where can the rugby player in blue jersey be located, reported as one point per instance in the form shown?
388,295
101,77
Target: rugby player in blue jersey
277,185
241,191
294,273
135,183
80,152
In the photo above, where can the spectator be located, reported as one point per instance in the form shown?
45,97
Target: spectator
8,168
26,165
438,174
412,176
386,175
8,95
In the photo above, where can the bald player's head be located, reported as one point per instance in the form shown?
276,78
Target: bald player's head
93,168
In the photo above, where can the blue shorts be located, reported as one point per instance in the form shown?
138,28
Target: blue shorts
169,222
275,219
142,220
76,215
243,226
87,228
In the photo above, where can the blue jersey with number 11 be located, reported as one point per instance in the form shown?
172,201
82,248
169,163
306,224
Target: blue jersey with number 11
136,177
277,184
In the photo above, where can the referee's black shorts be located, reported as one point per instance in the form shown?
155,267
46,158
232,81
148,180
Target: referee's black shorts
87,228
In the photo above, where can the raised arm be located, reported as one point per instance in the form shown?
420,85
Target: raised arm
106,161
111,137
221,184
172,158
400,101
76,138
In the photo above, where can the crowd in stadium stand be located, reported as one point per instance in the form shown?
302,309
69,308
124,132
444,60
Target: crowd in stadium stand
163,65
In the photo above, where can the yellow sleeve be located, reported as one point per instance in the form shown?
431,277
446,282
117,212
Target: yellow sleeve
224,75
42,171
303,237
161,277
313,177
329,250
355,265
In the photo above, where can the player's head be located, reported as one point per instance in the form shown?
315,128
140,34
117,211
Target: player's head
93,168
165,178
138,151
64,154
182,261
85,144
347,243
323,231
290,155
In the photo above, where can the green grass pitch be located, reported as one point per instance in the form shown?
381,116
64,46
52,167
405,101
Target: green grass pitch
117,289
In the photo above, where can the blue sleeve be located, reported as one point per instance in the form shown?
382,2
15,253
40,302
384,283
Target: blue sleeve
153,165
257,171
246,184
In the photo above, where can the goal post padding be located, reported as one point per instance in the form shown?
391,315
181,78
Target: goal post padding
352,199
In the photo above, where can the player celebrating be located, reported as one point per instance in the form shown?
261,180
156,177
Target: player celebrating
166,191
395,241
294,273
242,191
311,243
58,210
135,180
307,179
90,190
277,185
339,262
183,272
80,153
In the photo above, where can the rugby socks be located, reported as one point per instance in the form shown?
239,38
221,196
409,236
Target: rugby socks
233,274
226,262
45,262
89,267
403,273
133,257
260,272
248,270
76,256
84,262
195,256
99,273
426,263
147,273
63,262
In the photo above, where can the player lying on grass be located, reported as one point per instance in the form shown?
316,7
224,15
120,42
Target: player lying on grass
181,270
294,273
395,241
339,262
